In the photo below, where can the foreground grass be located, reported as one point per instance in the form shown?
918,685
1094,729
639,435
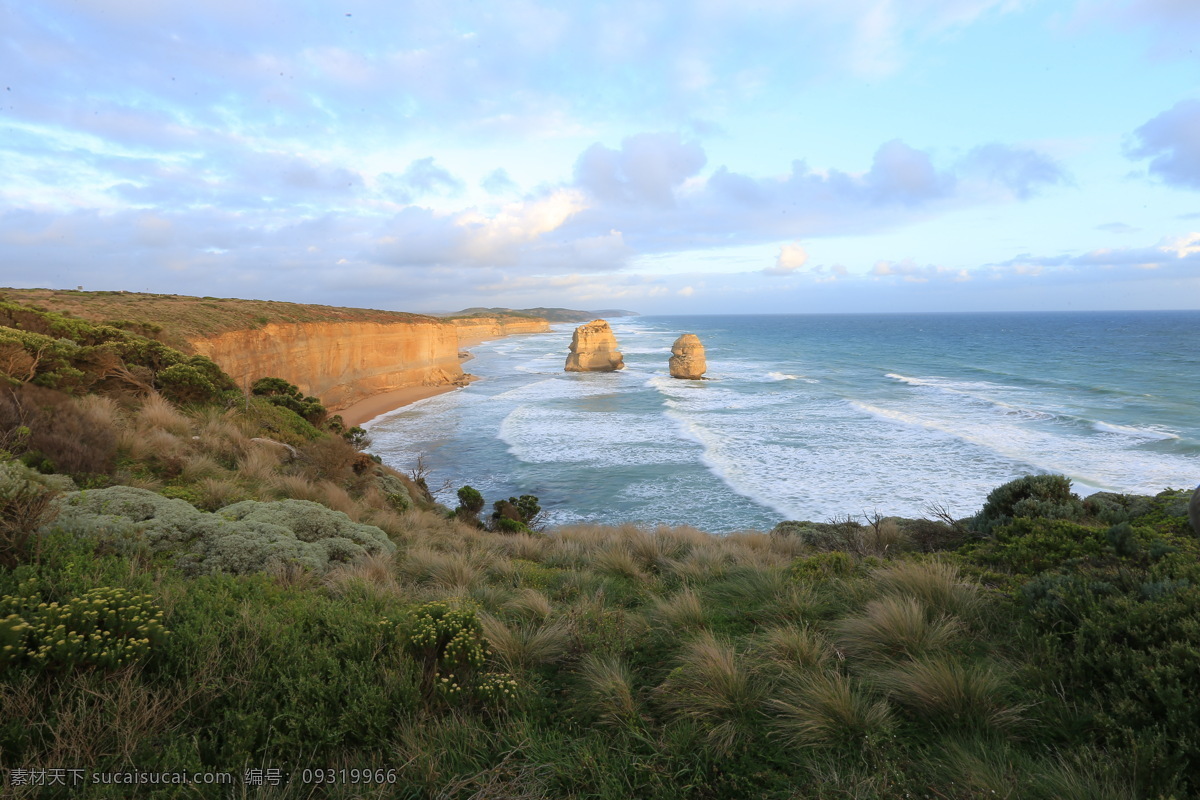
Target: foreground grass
1055,656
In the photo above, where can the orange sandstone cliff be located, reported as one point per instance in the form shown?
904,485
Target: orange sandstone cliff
473,330
345,362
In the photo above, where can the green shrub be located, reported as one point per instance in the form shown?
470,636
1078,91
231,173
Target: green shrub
1123,648
245,537
447,639
104,628
26,504
1028,546
279,392
470,503
1036,496
516,514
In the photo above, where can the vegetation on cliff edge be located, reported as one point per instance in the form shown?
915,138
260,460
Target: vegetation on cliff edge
216,586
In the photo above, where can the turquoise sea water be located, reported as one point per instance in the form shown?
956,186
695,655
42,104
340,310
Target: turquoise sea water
817,416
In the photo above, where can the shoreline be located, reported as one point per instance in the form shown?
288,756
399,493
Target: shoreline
370,408
377,405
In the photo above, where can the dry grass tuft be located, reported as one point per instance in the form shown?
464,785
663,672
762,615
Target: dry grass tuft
795,648
682,539
950,694
713,690
453,571
290,575
217,493
937,584
702,564
199,465
619,561
684,611
157,414
826,710
524,546
532,604
376,572
608,686
290,487
260,465
526,646
896,627
652,552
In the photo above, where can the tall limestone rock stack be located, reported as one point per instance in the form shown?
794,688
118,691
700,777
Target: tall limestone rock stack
687,358
594,349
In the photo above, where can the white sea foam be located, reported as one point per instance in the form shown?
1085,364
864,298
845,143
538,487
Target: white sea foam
1137,433
541,434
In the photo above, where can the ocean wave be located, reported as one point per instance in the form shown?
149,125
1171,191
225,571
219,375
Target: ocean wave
536,434
1154,434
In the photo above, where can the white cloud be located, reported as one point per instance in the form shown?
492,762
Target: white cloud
791,257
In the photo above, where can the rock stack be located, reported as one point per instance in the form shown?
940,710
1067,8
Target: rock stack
687,358
594,349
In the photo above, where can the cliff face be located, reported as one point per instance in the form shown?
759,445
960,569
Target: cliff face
474,330
594,349
341,362
344,362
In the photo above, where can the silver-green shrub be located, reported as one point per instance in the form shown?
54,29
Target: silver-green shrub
244,537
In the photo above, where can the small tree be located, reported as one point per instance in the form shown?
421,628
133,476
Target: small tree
470,503
516,514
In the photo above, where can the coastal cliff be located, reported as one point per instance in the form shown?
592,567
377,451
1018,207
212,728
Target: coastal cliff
473,330
341,362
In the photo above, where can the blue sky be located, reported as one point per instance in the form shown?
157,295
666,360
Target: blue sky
718,156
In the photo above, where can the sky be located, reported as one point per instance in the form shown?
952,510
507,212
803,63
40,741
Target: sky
716,156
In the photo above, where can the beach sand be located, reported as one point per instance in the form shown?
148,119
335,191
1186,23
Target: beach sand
373,406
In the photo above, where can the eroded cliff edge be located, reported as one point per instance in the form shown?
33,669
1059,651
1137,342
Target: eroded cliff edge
345,362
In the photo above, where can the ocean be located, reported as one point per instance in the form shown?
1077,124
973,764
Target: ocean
817,416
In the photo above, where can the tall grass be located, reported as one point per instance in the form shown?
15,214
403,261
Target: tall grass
608,689
937,584
525,645
794,648
896,627
683,611
951,694
712,689
825,709
157,414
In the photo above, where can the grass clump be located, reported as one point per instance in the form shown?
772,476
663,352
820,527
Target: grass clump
896,627
949,693
825,709
711,688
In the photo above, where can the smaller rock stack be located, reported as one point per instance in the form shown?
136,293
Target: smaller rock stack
687,358
594,349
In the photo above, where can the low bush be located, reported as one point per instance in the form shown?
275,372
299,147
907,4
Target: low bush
1033,496
104,628
26,504
245,537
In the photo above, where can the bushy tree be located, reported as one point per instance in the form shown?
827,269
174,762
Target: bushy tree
1033,496
470,503
516,514
287,395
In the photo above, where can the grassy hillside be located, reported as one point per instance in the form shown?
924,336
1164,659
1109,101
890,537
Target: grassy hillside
176,318
221,586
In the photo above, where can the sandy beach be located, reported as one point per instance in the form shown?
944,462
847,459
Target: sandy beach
375,405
